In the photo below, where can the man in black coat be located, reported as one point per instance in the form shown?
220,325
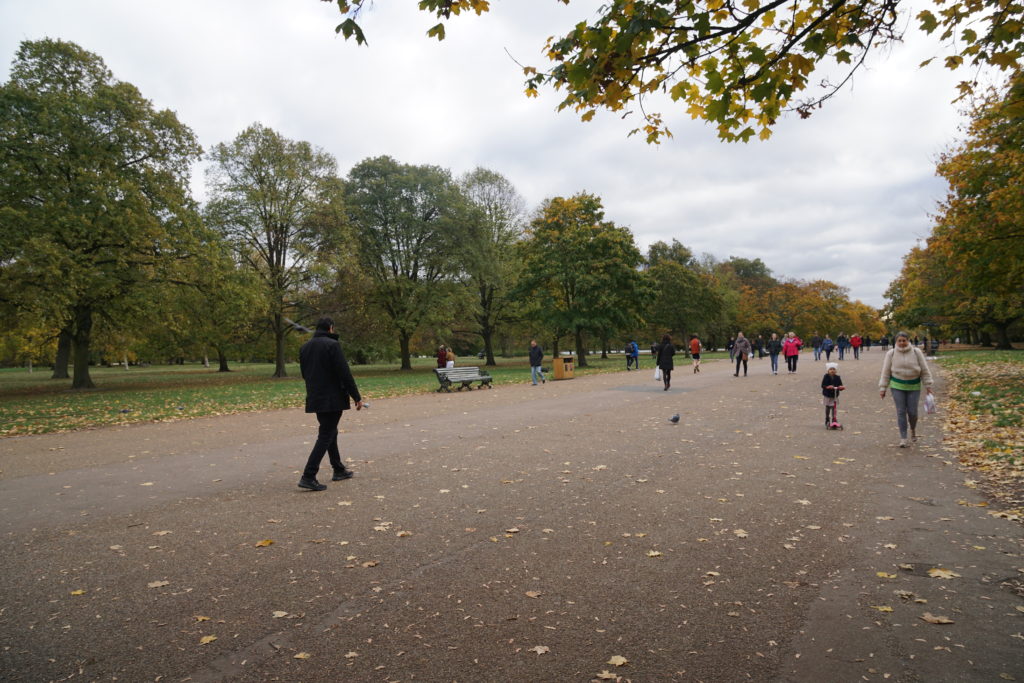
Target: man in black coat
329,385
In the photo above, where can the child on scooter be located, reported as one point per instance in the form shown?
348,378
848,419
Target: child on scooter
831,385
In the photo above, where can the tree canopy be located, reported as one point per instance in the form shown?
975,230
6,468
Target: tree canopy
737,64
94,206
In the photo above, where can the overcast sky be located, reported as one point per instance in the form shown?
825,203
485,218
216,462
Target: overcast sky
841,196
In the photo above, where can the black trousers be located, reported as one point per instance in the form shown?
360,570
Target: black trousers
326,442
738,361
791,362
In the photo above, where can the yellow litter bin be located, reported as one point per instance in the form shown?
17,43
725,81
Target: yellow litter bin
563,367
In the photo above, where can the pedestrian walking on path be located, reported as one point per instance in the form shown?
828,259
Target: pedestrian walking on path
695,352
665,363
743,351
791,349
329,385
904,370
536,359
774,349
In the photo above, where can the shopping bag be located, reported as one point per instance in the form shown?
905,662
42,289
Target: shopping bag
929,404
657,374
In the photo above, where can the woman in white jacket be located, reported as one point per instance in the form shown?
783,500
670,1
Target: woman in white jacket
904,371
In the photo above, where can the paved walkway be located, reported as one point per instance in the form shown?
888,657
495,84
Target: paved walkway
523,533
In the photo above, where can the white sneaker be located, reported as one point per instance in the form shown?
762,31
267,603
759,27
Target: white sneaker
903,443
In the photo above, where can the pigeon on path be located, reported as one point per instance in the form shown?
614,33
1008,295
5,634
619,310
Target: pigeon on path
674,419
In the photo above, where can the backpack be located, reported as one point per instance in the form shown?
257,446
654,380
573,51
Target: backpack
827,345
629,348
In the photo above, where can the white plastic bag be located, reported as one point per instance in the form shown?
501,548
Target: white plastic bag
657,374
929,404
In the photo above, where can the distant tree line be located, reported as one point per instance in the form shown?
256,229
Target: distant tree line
106,258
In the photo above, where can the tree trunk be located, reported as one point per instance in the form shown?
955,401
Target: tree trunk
1003,333
488,335
223,360
986,339
581,353
403,342
606,346
554,347
279,329
60,365
80,340
125,358
30,365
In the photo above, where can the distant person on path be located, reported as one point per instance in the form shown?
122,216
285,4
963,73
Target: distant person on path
695,352
774,349
730,346
442,356
536,359
791,350
843,342
904,370
665,353
449,361
329,385
743,351
867,343
831,385
759,345
855,343
827,345
632,355
816,345
884,341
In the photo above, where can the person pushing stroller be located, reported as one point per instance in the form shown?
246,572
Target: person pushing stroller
831,385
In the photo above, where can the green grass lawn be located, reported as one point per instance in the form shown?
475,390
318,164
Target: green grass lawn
990,382
32,403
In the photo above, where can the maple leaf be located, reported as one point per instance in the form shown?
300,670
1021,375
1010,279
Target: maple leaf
540,649
618,660
207,639
264,543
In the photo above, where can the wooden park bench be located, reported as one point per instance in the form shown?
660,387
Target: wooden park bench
463,376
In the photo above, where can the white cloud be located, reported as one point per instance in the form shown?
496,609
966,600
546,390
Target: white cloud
840,196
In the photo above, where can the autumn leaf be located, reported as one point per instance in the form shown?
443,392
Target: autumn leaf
939,573
932,619
618,660
201,618
540,649
653,553
882,608
533,594
351,655
278,614
302,655
885,575
740,533
606,676
207,639
264,543
157,584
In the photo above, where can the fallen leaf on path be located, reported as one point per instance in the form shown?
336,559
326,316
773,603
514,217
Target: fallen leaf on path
740,533
618,660
302,655
606,676
540,649
933,619
201,618
264,543
78,592
653,553
940,573
882,608
278,614
885,575
533,594
207,639
157,584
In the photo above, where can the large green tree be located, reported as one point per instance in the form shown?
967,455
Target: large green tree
94,205
582,271
265,192
737,64
497,214
411,228
684,300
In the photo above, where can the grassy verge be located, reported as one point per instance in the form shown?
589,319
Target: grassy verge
983,420
31,403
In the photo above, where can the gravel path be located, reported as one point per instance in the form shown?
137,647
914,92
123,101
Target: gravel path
522,533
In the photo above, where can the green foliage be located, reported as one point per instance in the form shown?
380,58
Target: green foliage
737,64
94,206
581,271
410,224
272,199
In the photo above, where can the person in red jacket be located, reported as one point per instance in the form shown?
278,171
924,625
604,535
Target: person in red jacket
855,342
791,346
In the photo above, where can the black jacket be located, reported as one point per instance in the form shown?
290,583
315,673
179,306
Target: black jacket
536,356
829,384
665,353
329,382
774,346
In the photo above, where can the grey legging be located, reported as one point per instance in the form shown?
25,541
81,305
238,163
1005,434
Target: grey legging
906,409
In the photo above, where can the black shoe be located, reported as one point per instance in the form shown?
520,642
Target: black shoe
342,475
312,484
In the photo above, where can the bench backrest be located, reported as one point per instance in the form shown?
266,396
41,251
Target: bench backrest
458,373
